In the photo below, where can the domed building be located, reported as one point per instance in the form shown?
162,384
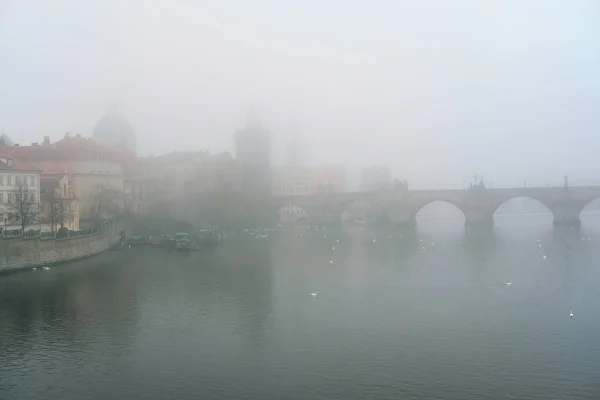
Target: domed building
115,131
5,141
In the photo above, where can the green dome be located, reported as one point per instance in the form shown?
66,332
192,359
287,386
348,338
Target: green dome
114,130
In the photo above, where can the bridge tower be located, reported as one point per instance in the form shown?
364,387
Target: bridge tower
253,154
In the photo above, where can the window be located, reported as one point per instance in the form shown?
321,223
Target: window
9,180
1,180
32,180
1,198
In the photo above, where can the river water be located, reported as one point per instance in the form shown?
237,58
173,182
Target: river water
422,314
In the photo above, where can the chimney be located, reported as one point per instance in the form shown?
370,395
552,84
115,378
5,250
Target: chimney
46,139
67,135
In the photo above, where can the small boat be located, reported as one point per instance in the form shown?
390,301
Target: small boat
137,240
183,242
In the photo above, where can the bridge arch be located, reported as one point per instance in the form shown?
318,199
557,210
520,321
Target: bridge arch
590,209
519,205
441,208
521,209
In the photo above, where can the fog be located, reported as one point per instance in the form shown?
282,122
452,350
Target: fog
438,90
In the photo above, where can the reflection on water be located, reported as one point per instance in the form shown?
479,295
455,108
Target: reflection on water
422,313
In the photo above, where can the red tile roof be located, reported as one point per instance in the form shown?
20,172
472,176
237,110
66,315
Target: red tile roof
57,168
17,165
79,147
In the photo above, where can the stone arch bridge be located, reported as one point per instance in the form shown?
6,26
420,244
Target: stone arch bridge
477,204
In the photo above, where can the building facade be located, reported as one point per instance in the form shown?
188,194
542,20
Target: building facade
91,169
58,204
15,176
174,182
293,181
297,181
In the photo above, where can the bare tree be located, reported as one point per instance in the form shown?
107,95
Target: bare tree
62,210
22,206
107,202
48,218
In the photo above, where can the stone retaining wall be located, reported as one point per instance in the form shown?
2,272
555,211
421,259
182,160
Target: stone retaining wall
18,254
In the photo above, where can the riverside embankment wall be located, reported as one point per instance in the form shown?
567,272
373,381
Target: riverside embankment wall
18,254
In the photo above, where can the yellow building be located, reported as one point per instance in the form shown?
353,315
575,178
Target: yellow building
299,181
294,181
58,205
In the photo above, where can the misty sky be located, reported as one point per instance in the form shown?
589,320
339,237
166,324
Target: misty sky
439,90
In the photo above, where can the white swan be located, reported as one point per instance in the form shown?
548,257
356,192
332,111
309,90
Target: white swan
314,294
34,269
331,262
46,268
571,314
509,283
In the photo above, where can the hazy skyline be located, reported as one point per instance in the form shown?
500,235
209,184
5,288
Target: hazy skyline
437,90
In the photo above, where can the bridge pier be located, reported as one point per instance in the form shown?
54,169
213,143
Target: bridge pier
479,223
479,217
567,215
572,221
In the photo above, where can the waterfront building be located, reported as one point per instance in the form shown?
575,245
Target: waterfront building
89,166
58,204
12,173
175,181
296,180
